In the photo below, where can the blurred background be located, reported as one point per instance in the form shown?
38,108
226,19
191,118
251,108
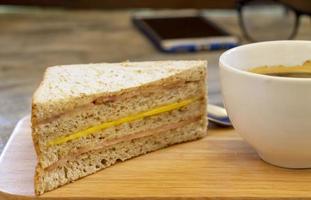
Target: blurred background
35,34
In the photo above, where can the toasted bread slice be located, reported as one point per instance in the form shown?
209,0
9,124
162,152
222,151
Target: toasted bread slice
80,109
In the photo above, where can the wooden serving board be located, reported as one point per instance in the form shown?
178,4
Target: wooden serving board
220,166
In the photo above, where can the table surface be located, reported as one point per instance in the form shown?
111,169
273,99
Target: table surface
33,39
220,166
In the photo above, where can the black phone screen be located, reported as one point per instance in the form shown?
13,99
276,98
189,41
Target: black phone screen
183,27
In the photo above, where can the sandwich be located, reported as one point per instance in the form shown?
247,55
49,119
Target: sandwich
88,117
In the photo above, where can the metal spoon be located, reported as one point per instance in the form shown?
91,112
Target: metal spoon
218,115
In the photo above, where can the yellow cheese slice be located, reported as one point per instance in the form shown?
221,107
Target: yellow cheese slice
97,128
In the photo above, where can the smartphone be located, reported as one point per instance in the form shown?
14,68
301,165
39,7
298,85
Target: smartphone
184,33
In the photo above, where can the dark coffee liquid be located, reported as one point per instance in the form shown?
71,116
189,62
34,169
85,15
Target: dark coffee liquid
299,71
292,74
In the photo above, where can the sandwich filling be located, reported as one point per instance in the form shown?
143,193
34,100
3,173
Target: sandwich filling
141,134
130,118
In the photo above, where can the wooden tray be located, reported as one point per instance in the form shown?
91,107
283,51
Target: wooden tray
220,166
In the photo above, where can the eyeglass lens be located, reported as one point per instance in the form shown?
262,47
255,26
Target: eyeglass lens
268,20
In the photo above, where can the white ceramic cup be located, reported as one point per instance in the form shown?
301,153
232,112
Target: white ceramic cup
271,113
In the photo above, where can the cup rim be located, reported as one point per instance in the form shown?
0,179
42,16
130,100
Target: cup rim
262,76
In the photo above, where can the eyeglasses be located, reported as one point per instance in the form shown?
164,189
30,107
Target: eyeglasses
262,20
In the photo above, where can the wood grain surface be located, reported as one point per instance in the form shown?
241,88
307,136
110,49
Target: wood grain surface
33,39
220,166
38,38
117,4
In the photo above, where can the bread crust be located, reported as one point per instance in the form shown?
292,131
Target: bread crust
44,110
192,131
